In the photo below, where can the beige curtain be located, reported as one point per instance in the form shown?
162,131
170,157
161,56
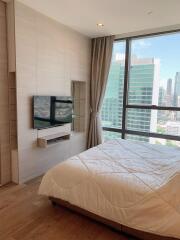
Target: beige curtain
100,64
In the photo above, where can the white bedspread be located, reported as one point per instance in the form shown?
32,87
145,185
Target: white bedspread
132,183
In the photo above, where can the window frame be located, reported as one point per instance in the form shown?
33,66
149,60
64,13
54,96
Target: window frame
127,106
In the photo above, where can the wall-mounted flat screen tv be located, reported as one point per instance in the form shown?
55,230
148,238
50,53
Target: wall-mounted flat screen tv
50,111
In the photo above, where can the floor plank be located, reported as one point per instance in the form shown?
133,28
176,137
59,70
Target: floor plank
24,215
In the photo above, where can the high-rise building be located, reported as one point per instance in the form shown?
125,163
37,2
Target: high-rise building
162,93
143,89
168,96
176,89
169,87
177,114
162,102
112,106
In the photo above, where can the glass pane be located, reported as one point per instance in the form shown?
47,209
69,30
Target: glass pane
111,113
155,71
136,138
146,120
140,120
160,141
107,135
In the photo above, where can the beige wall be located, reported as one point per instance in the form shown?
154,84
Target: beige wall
48,56
5,160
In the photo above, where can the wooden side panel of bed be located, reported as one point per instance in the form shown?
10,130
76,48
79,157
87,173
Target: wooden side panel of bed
139,234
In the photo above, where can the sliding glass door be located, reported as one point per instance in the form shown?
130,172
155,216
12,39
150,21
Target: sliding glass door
142,100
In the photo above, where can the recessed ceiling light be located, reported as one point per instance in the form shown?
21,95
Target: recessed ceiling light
100,24
150,12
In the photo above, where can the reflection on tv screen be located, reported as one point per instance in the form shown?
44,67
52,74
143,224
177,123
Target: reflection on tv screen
51,111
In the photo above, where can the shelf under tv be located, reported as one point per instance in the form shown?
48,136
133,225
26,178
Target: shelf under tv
52,139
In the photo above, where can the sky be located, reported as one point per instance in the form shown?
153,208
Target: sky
166,48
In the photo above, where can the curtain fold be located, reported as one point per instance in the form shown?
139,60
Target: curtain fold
100,64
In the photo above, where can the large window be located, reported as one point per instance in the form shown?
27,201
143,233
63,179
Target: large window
142,100
112,107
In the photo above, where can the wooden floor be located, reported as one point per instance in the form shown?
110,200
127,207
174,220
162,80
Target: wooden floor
26,216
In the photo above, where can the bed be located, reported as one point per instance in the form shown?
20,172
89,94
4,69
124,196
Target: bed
131,186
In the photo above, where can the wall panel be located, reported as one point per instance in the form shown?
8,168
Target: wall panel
48,57
5,148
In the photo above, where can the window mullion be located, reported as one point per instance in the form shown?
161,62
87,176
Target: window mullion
153,107
125,92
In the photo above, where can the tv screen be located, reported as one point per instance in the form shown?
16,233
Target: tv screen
50,111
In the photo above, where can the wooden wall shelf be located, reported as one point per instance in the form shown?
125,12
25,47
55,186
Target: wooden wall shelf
48,140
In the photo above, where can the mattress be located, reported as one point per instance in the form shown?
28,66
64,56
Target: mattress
135,184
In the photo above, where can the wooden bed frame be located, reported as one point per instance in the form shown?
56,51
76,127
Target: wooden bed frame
136,233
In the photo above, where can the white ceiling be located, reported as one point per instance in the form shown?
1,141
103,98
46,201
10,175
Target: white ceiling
118,16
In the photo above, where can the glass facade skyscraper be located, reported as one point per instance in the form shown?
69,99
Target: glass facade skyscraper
176,89
112,105
143,89
152,90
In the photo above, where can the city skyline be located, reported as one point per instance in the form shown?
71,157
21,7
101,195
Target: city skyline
145,75
171,85
157,47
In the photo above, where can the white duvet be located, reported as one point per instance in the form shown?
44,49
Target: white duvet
132,183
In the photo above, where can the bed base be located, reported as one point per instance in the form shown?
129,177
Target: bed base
130,231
